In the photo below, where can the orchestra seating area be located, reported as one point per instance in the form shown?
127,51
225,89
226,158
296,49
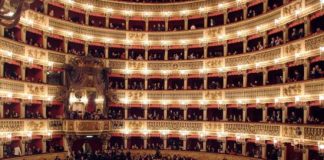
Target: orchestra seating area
163,79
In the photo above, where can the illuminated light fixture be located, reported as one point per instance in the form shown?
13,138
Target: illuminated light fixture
297,55
165,72
84,99
145,101
220,101
322,48
257,65
126,131
29,134
239,101
221,134
164,132
145,71
167,13
202,70
165,102
203,40
146,43
275,141
128,41
183,72
277,21
70,1
69,33
50,29
203,102
125,100
128,12
322,2
88,7
50,98
50,63
165,42
10,13
257,138
128,71
240,33
184,12
99,100
297,12
109,10
276,61
257,100
29,22
220,5
239,67
321,146
221,37
8,53
183,132
184,42
259,28
8,136
321,97
145,132
30,59
297,98
202,9
277,99
107,40
30,97
238,137
221,69
88,37
147,14
9,94
89,136
183,102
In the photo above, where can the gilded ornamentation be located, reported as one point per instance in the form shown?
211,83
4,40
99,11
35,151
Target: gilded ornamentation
136,95
314,133
37,17
12,126
189,126
271,130
135,125
35,53
292,49
136,65
292,131
88,126
136,36
212,95
35,125
35,89
214,63
214,127
314,43
292,90
116,125
214,32
56,57
290,9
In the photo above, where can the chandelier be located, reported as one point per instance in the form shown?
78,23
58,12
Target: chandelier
11,10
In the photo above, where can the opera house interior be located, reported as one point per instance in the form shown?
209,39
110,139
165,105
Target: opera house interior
162,79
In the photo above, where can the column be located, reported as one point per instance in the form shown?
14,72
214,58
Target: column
205,51
205,20
23,147
306,154
107,21
244,148
87,18
2,31
23,34
66,13
126,82
106,51
284,114
146,53
264,113
244,12
146,24
127,23
45,7
44,74
185,113
23,71
185,54
145,142
166,54
283,152
244,113
225,16
125,142
284,74
186,23
306,69
245,44
225,49
145,112
265,39
1,68
145,83
205,81
306,114
165,83
225,80
126,52
205,113
204,145
264,151
44,38
244,78
165,113
1,112
1,150
285,34
44,110
224,113
184,145
224,145
86,48
265,76
166,23
265,6
185,83
126,113
65,144
44,145
22,110
307,26
165,144
66,45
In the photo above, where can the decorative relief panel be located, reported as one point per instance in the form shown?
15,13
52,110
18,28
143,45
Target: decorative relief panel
12,46
117,64
253,93
189,126
35,89
12,126
37,17
11,86
35,53
291,49
135,125
292,131
264,129
136,95
214,127
55,125
175,65
316,87
314,43
35,125
176,96
290,9
88,126
214,32
292,90
116,125
136,65
213,95
136,36
214,63
314,133
53,57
